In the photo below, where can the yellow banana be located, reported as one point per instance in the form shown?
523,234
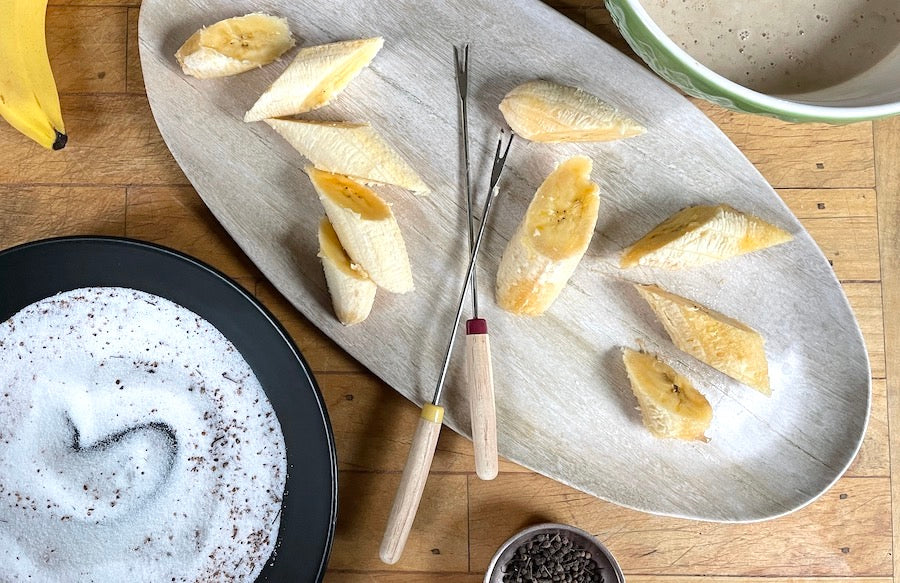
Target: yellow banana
670,405
28,97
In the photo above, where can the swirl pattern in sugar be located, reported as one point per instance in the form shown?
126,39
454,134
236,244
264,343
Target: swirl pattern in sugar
136,444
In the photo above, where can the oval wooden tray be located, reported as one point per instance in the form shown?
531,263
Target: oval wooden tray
564,405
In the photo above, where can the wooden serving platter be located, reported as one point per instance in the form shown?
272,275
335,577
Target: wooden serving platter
564,405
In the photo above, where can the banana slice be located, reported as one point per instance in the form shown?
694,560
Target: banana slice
550,241
351,149
314,78
721,342
543,111
702,234
366,228
670,405
234,45
352,292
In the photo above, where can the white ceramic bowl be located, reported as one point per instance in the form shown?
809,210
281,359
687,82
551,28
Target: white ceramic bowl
871,94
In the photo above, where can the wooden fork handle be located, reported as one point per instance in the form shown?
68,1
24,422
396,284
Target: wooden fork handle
412,483
480,376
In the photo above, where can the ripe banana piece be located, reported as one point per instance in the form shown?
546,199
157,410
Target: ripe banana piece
29,100
670,405
700,235
316,75
352,292
721,342
550,241
543,111
366,228
351,149
234,45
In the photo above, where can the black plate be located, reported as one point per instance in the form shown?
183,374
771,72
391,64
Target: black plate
37,270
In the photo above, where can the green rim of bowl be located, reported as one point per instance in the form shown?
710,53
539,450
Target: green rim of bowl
674,65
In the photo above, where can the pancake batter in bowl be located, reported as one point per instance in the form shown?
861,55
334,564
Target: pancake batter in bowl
782,47
135,445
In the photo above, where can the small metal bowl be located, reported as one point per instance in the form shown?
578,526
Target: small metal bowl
601,555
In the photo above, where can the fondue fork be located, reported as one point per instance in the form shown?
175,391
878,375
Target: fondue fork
424,441
479,369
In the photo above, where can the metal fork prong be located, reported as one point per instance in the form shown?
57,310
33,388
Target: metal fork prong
499,160
462,71
462,90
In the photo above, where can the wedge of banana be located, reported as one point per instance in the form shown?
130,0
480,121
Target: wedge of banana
550,241
316,75
351,149
366,228
543,111
235,45
352,292
670,405
714,338
702,234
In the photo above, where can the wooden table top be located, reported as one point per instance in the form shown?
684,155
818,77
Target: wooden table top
116,177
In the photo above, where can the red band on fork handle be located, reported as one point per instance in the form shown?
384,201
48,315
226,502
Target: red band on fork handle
476,326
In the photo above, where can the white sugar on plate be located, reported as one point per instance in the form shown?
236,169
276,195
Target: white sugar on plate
135,445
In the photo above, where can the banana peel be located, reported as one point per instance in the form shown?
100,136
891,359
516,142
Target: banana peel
29,99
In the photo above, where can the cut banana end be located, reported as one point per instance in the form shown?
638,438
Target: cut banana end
714,338
316,75
702,234
670,405
351,149
352,292
366,228
550,241
235,45
543,111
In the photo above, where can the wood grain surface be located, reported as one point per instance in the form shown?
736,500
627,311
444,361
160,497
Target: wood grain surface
117,177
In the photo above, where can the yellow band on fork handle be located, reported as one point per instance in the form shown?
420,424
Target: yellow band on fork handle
433,413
